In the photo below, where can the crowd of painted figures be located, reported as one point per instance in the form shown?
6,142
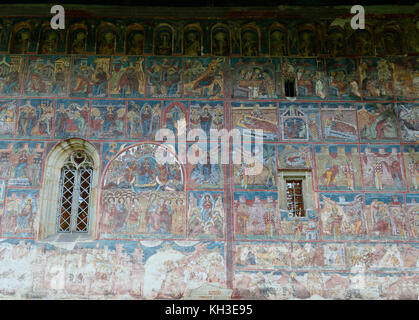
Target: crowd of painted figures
350,121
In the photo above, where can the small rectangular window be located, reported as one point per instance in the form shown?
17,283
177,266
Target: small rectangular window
290,88
295,201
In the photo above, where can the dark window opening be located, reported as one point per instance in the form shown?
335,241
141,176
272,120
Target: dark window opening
290,87
295,201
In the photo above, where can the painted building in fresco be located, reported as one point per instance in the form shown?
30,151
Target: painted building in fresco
179,231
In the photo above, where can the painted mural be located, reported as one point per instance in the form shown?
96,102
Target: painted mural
409,122
339,122
299,122
338,167
164,78
261,159
90,77
254,116
255,78
377,122
128,77
47,76
133,202
206,215
343,216
107,119
337,105
204,78
382,168
11,75
8,112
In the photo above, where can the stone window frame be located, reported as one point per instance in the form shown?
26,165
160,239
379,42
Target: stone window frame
45,224
306,176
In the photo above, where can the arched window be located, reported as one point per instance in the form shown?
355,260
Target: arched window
69,192
76,179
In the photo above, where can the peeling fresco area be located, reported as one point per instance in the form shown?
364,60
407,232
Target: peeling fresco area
338,106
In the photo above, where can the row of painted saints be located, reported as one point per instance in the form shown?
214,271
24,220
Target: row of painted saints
108,38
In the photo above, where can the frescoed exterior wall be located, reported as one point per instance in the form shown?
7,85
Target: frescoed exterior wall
337,106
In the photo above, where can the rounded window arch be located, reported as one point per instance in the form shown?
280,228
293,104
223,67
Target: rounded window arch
70,189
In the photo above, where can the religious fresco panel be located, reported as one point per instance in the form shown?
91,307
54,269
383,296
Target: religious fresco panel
206,215
386,217
377,122
203,173
71,118
90,76
255,78
339,122
128,77
110,150
47,76
164,77
8,115
142,198
257,169
21,207
338,167
175,117
300,228
204,78
256,116
342,216
206,115
143,119
21,163
308,255
382,167
262,255
412,210
406,77
256,215
107,119
376,76
411,162
382,256
299,121
11,75
307,75
342,79
35,118
409,121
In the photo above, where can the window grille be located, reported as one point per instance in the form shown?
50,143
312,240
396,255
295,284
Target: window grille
295,201
76,177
